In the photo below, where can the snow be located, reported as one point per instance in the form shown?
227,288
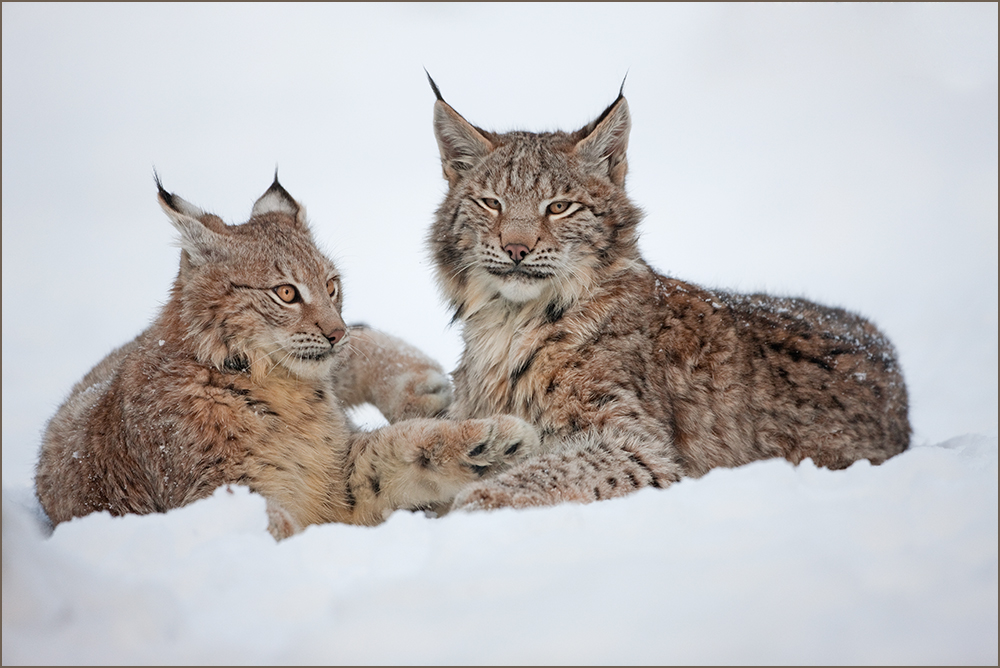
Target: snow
846,154
769,563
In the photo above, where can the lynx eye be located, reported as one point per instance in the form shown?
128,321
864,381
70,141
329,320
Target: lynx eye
491,203
556,208
287,293
333,288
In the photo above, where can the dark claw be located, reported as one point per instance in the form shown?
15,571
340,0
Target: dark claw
478,450
479,470
512,449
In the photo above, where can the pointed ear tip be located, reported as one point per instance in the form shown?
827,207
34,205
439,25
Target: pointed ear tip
276,198
434,86
165,200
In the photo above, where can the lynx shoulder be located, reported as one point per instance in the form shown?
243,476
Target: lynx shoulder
244,379
632,378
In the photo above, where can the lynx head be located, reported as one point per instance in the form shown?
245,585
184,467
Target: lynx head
531,219
257,295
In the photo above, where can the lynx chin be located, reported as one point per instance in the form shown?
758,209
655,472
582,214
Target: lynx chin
243,379
632,378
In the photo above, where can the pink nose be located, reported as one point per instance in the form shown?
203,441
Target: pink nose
517,252
335,336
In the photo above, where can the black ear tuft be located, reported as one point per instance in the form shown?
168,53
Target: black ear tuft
178,205
167,198
277,199
279,189
437,93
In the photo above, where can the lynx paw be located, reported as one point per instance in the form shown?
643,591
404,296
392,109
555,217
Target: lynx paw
422,393
474,449
280,522
493,494
503,440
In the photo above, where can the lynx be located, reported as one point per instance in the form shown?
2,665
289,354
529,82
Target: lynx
243,379
632,378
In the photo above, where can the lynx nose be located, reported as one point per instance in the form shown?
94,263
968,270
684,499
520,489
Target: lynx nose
335,336
517,252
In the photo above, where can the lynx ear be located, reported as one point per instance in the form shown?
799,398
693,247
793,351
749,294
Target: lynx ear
200,242
277,200
462,145
605,141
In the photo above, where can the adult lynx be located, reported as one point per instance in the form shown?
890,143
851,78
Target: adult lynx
243,378
632,378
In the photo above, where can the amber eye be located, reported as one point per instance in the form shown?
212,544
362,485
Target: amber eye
558,207
287,293
491,203
333,288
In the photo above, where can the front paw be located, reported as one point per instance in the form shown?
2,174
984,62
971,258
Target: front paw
466,451
281,523
500,442
422,393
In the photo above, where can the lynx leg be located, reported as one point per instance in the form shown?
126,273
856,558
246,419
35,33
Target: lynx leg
280,522
424,463
398,379
590,467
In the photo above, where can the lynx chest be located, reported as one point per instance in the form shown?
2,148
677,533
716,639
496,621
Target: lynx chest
303,422
544,370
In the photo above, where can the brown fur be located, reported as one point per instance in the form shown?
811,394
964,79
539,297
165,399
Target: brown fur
632,378
231,385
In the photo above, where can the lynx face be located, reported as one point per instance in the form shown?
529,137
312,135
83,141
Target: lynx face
531,217
258,295
530,226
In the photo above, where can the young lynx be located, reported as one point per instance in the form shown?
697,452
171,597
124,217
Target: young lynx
631,377
243,379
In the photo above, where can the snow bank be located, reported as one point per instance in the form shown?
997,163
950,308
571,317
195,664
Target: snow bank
768,563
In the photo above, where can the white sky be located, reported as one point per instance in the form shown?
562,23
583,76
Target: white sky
846,153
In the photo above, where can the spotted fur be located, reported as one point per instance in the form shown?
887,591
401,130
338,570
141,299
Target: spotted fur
243,379
633,379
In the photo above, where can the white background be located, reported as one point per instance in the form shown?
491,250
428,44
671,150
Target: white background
847,154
